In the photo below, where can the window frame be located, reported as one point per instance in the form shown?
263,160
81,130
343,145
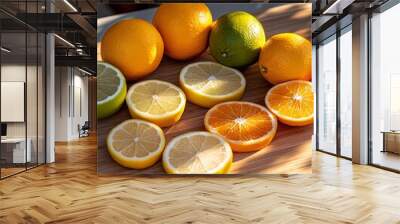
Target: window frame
338,33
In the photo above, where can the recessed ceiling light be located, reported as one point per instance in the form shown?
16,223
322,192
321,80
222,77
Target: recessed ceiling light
84,71
70,5
64,40
5,50
337,7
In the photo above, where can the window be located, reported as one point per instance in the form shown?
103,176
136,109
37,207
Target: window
346,92
334,94
327,95
385,89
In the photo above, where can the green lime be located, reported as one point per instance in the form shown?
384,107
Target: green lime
111,89
236,39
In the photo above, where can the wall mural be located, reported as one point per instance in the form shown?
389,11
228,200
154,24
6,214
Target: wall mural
205,89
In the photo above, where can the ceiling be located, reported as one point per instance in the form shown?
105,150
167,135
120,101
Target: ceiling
332,15
74,22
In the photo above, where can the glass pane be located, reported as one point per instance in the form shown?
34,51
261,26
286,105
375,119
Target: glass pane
31,98
327,96
346,93
41,99
23,84
385,84
13,86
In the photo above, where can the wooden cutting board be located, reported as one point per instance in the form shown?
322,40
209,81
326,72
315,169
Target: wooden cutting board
290,151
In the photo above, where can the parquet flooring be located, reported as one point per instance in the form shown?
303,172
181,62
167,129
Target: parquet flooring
69,191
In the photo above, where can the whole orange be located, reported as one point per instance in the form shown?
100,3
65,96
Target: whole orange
134,46
184,28
284,57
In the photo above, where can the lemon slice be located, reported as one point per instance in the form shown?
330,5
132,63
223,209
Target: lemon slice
136,144
197,153
111,89
207,83
157,101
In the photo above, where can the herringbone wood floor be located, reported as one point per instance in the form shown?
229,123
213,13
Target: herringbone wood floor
69,191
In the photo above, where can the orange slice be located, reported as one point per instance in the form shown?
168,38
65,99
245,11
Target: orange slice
245,126
292,102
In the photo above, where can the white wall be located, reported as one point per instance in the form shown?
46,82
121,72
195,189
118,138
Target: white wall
70,83
33,127
62,81
12,73
81,84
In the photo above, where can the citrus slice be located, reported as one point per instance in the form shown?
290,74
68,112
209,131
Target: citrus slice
111,89
207,83
157,101
246,126
136,144
292,102
197,152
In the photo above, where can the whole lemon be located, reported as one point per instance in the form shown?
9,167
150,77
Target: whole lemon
134,46
284,57
184,28
236,39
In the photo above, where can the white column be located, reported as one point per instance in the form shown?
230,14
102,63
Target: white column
50,94
360,90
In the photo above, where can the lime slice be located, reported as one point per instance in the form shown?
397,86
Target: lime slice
111,89
208,83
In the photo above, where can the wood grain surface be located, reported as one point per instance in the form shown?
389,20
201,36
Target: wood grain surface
289,152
